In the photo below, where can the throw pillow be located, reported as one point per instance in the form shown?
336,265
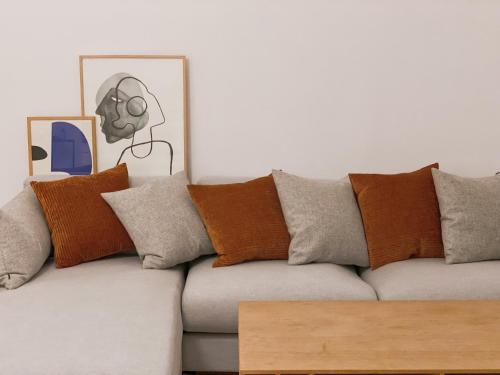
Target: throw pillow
323,220
162,221
400,214
24,240
470,216
244,220
82,224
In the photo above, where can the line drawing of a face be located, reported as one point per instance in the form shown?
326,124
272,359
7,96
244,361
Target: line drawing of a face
126,107
122,106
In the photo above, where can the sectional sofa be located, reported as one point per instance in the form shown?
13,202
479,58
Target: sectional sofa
113,317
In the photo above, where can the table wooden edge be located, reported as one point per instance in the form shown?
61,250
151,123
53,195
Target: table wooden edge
369,372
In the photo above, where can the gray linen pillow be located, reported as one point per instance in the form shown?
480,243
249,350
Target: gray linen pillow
24,240
323,220
162,221
470,216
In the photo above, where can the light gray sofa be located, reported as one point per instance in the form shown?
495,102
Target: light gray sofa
112,317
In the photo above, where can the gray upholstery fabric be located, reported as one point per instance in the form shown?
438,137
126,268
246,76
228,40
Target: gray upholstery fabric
134,181
24,240
216,180
104,317
211,295
48,177
217,352
433,279
470,216
162,221
323,219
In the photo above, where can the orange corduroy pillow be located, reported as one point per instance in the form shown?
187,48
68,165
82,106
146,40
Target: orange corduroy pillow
400,215
83,227
244,220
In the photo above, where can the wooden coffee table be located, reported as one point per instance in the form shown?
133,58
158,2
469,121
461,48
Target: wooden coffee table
394,337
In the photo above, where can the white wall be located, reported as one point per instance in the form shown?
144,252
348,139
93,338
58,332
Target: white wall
316,87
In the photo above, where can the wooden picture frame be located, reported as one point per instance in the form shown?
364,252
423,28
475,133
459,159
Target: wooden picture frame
44,121
85,111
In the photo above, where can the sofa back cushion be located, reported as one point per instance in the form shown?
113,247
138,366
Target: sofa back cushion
323,220
162,221
470,216
82,224
244,220
24,240
400,215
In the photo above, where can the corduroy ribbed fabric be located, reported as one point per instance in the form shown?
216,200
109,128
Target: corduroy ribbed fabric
400,215
244,220
83,227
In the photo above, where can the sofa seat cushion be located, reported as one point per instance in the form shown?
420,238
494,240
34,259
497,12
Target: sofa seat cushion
211,295
429,279
105,317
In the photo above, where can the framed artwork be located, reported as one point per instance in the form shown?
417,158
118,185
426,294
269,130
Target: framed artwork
141,107
62,145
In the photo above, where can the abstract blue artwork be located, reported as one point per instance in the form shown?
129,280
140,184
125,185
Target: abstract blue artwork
60,145
70,150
